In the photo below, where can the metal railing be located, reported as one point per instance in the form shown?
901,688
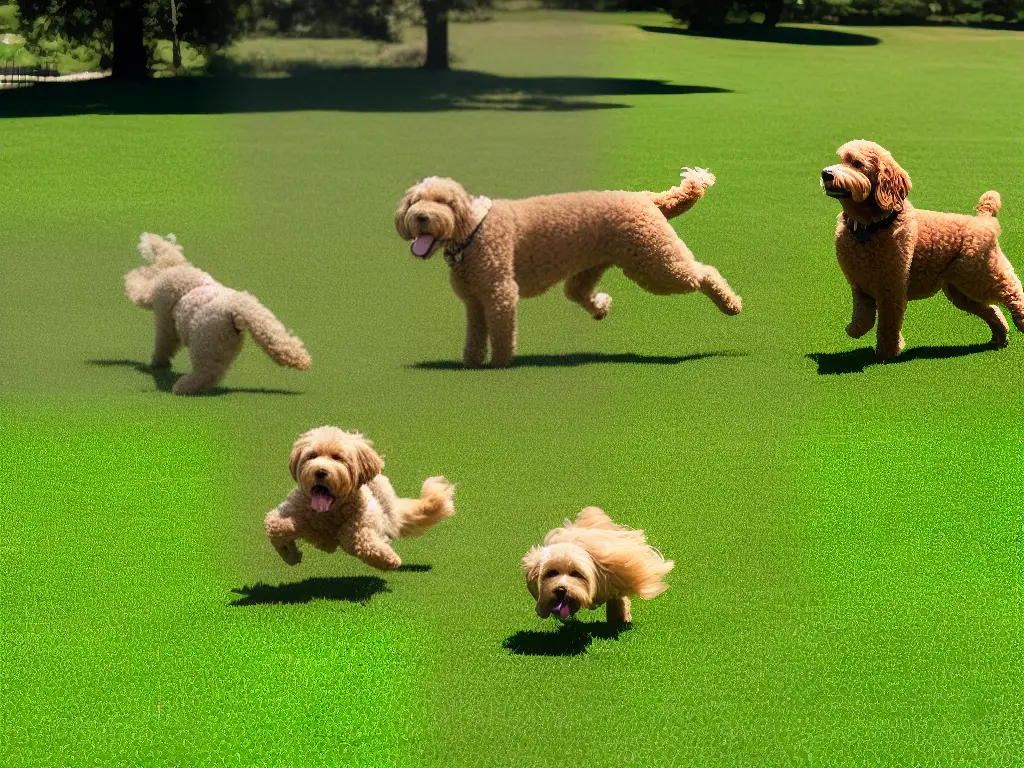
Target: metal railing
17,76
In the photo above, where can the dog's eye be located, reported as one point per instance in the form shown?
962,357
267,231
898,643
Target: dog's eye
336,456
855,164
577,575
550,574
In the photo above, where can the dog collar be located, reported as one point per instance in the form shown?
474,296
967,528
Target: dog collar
863,232
454,257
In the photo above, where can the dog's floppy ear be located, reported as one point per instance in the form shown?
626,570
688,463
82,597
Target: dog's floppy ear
364,460
893,184
293,460
531,568
403,208
632,569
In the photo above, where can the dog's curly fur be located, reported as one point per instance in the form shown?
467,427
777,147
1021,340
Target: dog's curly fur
194,310
521,248
915,255
342,500
593,562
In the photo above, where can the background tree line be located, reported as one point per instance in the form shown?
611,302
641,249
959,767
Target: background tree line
711,13
124,32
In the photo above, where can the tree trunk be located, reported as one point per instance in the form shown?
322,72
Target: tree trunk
708,15
435,13
772,13
129,60
175,44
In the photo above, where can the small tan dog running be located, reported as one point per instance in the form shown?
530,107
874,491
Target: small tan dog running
503,250
892,253
342,500
590,563
194,310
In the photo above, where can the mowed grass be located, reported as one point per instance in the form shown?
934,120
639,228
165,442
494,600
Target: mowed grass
847,536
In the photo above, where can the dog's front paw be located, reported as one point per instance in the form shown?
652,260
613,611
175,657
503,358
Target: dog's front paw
289,552
888,351
733,305
702,176
856,331
472,358
602,304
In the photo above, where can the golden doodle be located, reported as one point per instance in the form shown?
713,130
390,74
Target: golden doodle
194,310
891,252
593,562
343,500
503,250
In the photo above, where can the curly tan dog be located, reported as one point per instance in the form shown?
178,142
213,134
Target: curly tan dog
342,500
503,250
892,253
194,310
590,563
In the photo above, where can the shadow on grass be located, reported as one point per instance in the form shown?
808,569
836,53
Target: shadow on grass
762,34
574,359
414,568
164,378
333,89
856,360
349,589
569,639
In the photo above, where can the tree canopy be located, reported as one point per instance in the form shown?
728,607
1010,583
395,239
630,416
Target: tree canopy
125,31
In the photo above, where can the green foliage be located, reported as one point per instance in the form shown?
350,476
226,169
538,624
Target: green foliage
204,24
8,18
369,19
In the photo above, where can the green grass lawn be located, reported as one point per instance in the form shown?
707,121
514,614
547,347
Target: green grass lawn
847,536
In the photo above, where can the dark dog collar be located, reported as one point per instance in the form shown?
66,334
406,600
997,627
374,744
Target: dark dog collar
863,232
453,257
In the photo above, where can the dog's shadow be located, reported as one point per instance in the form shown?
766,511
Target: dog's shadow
164,378
348,589
574,359
857,360
569,639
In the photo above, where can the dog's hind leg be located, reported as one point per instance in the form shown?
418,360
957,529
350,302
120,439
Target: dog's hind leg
580,289
1012,296
670,268
167,341
996,322
212,352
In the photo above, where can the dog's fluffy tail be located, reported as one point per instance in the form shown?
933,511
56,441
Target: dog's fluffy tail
682,198
160,253
416,516
989,204
267,331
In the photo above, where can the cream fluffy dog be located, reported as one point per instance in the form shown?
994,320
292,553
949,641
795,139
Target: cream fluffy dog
892,253
342,500
590,563
194,310
503,250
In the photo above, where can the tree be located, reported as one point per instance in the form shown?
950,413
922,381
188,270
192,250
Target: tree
435,17
126,31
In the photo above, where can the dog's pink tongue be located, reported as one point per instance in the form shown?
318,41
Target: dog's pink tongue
562,609
421,245
320,502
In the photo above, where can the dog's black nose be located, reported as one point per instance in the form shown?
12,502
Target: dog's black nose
422,218
560,592
321,474
827,175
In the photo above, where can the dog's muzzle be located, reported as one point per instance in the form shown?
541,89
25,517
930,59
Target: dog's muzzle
828,179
